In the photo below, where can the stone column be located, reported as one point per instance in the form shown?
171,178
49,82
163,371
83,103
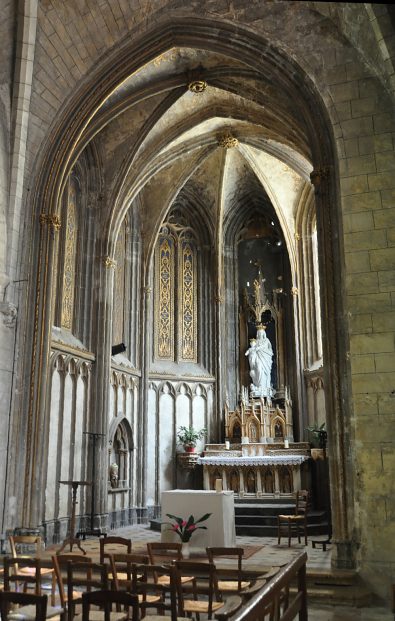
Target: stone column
336,365
100,397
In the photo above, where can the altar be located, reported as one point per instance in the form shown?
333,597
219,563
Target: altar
259,459
220,525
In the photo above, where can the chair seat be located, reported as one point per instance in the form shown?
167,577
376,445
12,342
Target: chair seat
191,605
76,595
31,571
98,615
165,580
149,598
231,585
292,518
161,617
28,613
120,575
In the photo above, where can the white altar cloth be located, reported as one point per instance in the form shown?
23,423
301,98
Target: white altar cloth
253,460
220,525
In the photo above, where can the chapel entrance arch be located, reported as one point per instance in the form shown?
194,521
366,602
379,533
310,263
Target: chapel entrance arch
238,44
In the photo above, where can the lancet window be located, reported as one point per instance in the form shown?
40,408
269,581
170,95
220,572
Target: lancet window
176,294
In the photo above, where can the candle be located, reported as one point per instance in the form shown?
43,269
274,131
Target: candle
218,485
286,444
227,445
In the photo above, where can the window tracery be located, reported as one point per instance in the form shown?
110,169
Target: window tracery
69,258
176,293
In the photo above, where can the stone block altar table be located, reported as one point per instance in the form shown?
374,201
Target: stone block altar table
221,530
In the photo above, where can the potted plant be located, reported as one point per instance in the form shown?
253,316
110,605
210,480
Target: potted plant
185,528
188,437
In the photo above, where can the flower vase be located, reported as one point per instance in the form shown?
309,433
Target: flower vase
185,550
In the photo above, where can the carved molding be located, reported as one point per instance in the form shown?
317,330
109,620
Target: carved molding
227,141
318,175
109,262
197,86
9,312
51,219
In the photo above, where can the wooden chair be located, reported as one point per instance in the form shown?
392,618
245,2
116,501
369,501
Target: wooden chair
229,586
84,577
30,546
205,600
60,564
105,601
15,576
121,565
152,593
292,524
164,554
114,545
30,606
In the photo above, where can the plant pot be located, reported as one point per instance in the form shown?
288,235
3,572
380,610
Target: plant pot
318,453
185,550
190,449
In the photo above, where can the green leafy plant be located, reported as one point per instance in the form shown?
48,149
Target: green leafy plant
318,435
188,436
186,528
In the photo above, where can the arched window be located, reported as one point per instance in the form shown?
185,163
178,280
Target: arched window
176,292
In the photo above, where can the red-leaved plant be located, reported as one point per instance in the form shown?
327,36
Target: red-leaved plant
186,528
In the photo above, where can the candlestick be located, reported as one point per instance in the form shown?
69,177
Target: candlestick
227,445
286,443
218,485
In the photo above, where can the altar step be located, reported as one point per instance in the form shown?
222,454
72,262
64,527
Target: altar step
335,586
260,520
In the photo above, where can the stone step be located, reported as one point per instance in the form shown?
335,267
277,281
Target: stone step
264,530
336,586
314,517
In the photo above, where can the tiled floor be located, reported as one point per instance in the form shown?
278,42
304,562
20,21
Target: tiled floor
270,554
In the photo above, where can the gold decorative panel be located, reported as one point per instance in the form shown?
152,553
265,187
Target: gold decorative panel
188,302
164,337
69,261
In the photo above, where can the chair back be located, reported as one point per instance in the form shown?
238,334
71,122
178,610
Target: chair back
113,545
7,598
152,593
204,571
302,502
60,564
122,568
214,552
106,599
84,576
13,574
25,545
164,552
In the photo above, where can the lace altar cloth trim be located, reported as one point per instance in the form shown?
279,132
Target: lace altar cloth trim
253,460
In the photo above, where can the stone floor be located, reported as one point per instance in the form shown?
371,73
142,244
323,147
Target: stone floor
272,554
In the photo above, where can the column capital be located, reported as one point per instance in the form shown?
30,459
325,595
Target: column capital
51,219
109,262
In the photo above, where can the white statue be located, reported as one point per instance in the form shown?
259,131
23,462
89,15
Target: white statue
260,357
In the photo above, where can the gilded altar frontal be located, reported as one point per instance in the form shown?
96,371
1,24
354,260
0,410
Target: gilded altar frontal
197,230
